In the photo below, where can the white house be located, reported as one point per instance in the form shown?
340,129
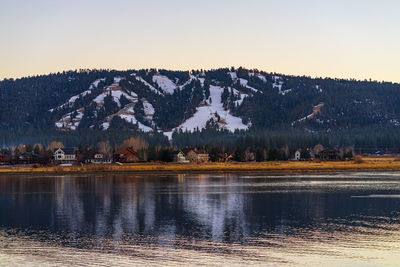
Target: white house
98,159
65,155
180,157
297,155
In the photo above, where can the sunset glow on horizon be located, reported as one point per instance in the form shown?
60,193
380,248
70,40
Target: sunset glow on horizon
340,39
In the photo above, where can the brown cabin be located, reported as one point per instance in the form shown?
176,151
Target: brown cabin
128,155
197,156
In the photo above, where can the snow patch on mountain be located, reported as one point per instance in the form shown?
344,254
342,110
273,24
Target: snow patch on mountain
233,75
202,80
211,110
187,82
318,87
244,82
165,83
151,87
284,92
95,84
128,114
148,110
116,93
262,78
278,83
70,122
316,111
72,100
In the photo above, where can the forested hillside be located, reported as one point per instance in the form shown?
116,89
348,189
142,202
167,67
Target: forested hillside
160,104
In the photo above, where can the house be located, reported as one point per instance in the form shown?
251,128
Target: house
98,158
329,154
65,155
128,155
5,158
180,157
28,158
197,156
297,155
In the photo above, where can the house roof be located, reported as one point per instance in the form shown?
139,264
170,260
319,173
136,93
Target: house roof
127,151
198,152
67,150
177,152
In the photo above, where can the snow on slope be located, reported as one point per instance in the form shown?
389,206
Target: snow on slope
192,77
244,82
242,97
277,83
95,84
128,114
233,75
262,78
316,111
207,112
152,88
72,100
68,123
116,92
148,110
165,83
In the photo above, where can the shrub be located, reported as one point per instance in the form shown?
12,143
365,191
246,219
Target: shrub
358,160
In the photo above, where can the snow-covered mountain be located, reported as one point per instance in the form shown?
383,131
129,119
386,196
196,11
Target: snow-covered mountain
166,101
210,109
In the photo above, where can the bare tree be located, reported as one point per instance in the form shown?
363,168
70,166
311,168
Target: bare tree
136,143
105,149
55,144
21,148
318,149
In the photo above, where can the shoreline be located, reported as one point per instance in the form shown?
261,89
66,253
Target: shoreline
368,165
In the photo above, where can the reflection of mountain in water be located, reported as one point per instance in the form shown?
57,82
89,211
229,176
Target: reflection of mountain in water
223,208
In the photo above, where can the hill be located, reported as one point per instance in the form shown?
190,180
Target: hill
161,102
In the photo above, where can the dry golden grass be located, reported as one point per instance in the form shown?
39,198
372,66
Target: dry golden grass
367,164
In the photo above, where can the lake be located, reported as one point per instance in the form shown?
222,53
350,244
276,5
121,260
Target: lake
345,219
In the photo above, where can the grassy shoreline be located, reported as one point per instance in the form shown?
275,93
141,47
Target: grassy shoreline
375,164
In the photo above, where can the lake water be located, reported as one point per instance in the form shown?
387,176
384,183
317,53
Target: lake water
200,220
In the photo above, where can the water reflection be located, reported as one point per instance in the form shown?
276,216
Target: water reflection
218,214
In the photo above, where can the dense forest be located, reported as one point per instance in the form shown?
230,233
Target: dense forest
226,107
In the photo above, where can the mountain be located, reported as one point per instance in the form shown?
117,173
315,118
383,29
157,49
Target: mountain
163,101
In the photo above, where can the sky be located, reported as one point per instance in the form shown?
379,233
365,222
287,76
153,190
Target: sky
329,38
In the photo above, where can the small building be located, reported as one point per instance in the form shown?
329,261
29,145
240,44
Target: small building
297,155
65,155
128,155
180,157
98,158
5,158
197,156
330,154
28,158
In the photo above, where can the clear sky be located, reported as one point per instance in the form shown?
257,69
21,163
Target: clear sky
334,38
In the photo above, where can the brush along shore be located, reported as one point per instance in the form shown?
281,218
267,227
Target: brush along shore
367,164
